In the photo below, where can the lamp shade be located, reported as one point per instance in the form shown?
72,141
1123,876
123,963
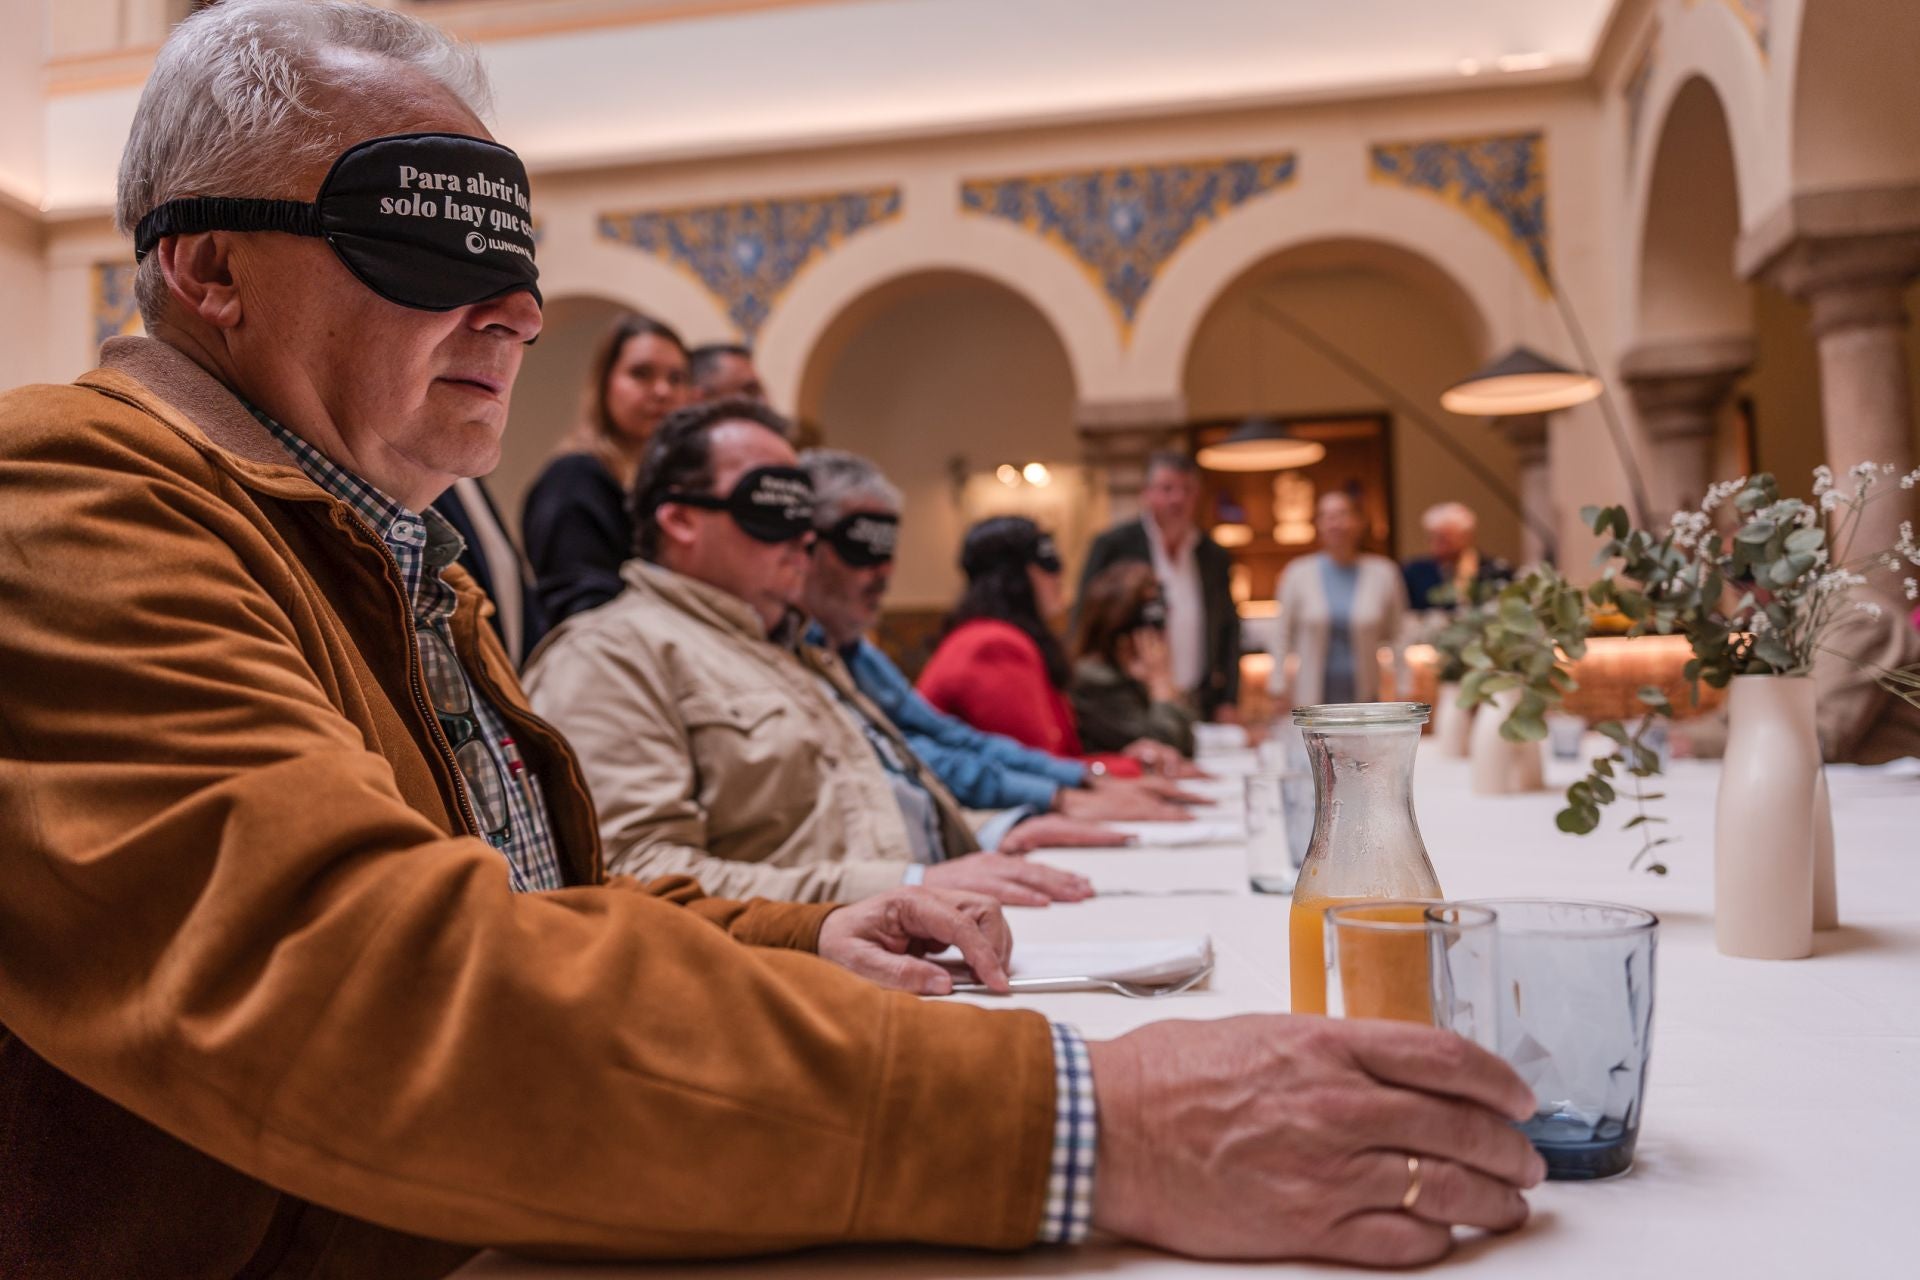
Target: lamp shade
1522,381
1258,445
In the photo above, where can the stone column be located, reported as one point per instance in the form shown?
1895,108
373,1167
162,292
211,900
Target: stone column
1527,433
1679,387
1117,436
1855,287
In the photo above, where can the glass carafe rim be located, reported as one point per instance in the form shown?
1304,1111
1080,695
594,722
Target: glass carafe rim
1362,715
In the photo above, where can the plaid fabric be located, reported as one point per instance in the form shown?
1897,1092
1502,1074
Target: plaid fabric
422,545
1076,1132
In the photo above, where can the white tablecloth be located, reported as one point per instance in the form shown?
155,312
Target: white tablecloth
1782,1131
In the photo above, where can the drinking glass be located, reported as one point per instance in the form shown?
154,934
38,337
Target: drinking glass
1415,961
1279,827
1576,1021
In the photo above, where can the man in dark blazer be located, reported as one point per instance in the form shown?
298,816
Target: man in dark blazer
1203,627
495,562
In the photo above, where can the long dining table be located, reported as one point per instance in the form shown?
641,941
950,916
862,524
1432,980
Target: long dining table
1782,1118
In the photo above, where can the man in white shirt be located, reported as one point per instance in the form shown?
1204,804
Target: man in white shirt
1203,628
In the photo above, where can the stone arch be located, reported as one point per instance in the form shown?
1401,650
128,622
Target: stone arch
1000,253
1685,281
941,377
1497,302
588,266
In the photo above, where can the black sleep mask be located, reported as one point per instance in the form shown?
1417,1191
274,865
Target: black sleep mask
1046,555
771,504
1152,613
864,539
432,221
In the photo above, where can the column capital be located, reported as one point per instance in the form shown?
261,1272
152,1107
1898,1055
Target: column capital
1679,385
1850,282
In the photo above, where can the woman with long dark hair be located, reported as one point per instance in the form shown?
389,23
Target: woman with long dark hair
1000,667
575,519
1123,688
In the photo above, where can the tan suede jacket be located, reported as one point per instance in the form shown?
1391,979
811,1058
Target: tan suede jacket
265,1009
713,752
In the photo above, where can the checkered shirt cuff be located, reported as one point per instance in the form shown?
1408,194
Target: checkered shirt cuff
1076,1131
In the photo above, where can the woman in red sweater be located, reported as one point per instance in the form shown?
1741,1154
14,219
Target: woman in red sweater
1000,667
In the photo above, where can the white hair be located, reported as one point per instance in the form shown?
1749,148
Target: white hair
841,479
1442,514
233,108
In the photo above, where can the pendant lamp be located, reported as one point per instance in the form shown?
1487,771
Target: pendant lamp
1260,445
1522,381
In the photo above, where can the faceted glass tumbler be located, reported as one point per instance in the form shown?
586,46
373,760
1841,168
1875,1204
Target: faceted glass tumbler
1576,1021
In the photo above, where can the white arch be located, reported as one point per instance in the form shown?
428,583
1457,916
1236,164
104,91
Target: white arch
1691,297
935,240
1708,42
1486,274
603,268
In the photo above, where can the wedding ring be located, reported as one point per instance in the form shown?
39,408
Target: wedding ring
1414,1176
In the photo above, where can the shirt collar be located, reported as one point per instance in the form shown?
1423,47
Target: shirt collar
427,533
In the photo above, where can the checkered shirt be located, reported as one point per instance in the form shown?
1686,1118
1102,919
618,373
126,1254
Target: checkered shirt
1076,1132
422,545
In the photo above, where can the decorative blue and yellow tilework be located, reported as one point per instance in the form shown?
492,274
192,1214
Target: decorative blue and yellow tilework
748,253
114,310
1122,225
1499,182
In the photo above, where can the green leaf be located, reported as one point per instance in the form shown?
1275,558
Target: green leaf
1806,541
1603,765
1593,517
1612,729
1519,728
1755,533
1576,822
1774,654
1602,790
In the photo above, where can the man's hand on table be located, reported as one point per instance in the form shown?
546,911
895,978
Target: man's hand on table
1288,1137
883,938
1057,831
1159,758
1123,800
1007,879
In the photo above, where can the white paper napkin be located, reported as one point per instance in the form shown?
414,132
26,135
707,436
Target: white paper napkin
1183,835
1148,960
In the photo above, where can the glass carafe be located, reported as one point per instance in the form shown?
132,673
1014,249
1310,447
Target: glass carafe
1366,844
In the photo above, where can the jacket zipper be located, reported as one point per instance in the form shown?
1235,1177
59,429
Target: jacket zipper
414,682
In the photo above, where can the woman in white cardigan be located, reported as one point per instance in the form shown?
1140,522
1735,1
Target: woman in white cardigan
1337,607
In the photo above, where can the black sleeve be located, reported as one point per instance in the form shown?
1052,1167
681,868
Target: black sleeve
578,535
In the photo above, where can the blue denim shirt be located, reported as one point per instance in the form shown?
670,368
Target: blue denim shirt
983,770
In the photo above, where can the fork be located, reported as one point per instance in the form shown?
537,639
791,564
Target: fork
1132,990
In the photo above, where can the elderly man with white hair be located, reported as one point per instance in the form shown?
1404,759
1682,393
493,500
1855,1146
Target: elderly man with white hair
307,963
1446,576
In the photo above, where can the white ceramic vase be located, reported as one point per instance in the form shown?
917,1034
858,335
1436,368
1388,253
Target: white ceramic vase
1496,767
1452,724
1764,829
1826,894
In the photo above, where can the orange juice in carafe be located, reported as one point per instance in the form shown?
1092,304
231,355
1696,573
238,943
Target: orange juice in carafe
1366,843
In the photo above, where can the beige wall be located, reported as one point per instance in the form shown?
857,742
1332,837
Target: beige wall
548,397
23,292
942,368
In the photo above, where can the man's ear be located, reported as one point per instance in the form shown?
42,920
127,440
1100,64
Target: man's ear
679,525
199,273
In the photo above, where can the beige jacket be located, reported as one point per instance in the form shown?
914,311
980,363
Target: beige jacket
1379,611
712,752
